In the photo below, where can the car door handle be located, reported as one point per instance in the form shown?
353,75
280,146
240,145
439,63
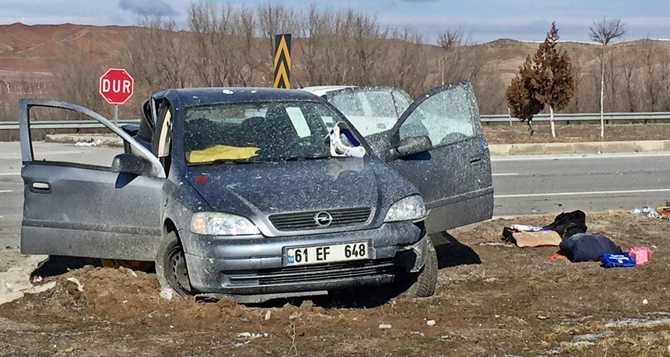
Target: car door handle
475,159
42,187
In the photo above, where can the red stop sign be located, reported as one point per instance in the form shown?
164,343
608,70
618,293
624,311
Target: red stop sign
116,86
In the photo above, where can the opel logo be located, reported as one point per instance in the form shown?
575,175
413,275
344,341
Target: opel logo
323,219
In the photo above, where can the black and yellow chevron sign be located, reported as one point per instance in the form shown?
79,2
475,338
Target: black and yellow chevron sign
282,61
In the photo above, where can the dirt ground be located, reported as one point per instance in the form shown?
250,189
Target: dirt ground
492,299
518,132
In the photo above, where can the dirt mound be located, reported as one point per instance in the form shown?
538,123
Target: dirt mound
491,299
123,294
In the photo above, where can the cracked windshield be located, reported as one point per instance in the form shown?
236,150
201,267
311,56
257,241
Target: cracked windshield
257,132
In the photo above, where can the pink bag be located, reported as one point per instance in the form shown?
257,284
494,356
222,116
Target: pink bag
640,254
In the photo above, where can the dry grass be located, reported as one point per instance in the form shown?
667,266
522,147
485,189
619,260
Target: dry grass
518,133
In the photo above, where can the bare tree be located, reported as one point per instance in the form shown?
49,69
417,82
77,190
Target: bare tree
275,19
603,32
448,41
404,64
5,104
76,81
345,47
629,84
153,54
459,59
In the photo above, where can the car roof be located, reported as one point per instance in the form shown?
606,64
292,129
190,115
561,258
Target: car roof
322,90
197,96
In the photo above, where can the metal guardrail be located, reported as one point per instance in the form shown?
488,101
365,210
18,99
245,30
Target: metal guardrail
494,118
637,116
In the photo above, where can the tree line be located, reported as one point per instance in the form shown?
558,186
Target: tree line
226,45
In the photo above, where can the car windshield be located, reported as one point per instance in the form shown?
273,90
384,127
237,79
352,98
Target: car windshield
257,132
371,110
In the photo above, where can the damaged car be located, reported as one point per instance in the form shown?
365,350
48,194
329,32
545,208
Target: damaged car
261,193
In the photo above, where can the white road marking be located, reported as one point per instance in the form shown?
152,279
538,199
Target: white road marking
10,173
586,193
6,191
577,156
507,174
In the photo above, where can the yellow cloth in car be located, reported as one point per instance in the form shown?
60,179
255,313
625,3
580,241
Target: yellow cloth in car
222,152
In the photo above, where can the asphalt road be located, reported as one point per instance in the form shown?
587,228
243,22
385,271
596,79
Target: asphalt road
592,182
523,184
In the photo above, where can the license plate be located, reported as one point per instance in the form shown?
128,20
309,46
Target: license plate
327,253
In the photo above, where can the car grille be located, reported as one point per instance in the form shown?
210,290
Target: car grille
306,220
313,272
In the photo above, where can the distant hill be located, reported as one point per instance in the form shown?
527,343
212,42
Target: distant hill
29,54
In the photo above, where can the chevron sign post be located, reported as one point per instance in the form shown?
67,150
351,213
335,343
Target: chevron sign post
282,61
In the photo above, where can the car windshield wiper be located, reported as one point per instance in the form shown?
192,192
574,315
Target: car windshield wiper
306,157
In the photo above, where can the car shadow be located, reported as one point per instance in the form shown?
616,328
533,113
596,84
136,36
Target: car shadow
57,265
451,252
352,298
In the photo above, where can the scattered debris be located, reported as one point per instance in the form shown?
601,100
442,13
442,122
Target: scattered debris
430,322
128,270
648,211
251,335
268,315
166,293
16,280
40,288
80,287
89,144
498,244
592,337
646,321
640,254
384,326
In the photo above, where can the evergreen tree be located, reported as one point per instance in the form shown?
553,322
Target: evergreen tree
547,80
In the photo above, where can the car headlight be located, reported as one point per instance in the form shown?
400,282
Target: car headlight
221,224
410,208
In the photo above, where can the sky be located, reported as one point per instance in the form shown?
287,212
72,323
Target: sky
480,20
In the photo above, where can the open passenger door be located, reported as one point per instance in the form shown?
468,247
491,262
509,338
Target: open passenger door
438,145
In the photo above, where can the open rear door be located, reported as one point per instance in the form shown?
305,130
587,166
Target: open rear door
453,169
82,205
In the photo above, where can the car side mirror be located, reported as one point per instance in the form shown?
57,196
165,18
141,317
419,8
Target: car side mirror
132,164
412,145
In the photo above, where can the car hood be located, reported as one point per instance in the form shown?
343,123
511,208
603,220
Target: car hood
261,189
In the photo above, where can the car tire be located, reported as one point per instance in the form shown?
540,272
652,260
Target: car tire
171,269
426,279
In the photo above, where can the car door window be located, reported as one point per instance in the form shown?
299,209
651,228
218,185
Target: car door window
445,118
96,149
401,100
372,110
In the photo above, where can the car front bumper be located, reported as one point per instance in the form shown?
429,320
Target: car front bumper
255,265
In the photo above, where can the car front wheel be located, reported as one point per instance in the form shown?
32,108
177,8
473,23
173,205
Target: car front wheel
171,268
424,283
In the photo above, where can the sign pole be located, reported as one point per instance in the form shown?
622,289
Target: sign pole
116,114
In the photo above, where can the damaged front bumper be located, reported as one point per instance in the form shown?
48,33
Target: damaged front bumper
253,269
